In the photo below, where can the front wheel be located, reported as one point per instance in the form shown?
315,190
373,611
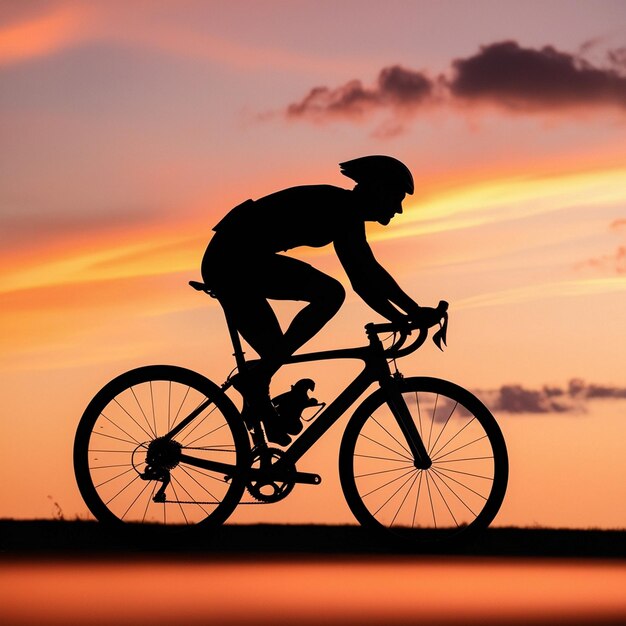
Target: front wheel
129,471
460,493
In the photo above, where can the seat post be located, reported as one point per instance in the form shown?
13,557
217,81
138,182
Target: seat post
232,330
235,340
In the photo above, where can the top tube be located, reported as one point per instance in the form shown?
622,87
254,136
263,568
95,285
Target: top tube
364,353
396,350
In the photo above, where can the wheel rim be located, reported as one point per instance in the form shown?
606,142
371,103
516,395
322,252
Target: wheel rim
463,488
122,444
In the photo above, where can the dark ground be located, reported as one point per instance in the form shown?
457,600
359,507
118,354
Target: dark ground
73,538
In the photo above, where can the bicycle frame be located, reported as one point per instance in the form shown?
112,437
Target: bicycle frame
376,370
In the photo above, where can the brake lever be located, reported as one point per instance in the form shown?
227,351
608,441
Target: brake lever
440,336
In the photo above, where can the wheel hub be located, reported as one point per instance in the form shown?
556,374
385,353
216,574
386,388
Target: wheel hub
163,453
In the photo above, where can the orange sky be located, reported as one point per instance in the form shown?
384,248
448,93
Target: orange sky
129,128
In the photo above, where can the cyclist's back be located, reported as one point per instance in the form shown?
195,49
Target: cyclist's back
309,215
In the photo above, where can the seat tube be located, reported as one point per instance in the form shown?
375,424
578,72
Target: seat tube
235,340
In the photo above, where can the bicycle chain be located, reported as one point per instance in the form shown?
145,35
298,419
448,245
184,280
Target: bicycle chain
196,502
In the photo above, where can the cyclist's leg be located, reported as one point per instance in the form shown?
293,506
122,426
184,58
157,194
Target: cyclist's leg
243,290
254,318
292,279
244,293
238,281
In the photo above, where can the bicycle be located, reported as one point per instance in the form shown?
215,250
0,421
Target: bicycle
421,458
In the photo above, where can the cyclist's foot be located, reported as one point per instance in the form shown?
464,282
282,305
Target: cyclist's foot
271,422
275,433
253,385
258,409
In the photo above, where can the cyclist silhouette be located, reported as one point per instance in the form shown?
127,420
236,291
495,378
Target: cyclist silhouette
244,267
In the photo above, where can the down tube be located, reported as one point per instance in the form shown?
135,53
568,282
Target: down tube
330,415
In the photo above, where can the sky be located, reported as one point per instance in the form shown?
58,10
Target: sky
128,129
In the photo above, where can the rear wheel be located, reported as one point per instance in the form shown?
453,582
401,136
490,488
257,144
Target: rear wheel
460,493
128,471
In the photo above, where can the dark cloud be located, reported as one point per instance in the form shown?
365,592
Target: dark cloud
517,399
550,399
525,78
618,58
578,388
396,87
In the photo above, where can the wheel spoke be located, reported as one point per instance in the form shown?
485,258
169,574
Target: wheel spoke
122,490
197,421
180,408
142,404
394,438
394,469
446,478
447,469
389,482
432,420
191,498
206,474
130,506
390,498
453,437
132,443
430,498
381,458
434,481
465,445
199,484
460,492
431,448
408,491
205,435
417,497
121,429
382,445
108,480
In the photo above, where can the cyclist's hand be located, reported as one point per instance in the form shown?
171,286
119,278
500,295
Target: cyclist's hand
427,316
404,324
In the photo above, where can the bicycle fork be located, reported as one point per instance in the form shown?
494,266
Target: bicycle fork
390,387
403,417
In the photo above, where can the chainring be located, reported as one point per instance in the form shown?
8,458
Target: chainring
269,490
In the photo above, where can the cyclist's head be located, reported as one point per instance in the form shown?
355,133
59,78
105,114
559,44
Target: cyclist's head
382,182
380,171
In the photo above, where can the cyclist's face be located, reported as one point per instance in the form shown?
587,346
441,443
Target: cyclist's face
383,204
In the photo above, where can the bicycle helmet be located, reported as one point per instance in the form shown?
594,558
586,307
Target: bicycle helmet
379,169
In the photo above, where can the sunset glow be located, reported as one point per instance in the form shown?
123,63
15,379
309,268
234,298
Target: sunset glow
130,128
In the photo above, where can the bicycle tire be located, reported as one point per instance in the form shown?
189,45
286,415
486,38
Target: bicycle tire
461,492
132,410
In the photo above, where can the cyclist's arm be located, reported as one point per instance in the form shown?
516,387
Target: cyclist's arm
371,281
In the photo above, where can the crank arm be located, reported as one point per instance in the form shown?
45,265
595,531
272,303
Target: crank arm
305,478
